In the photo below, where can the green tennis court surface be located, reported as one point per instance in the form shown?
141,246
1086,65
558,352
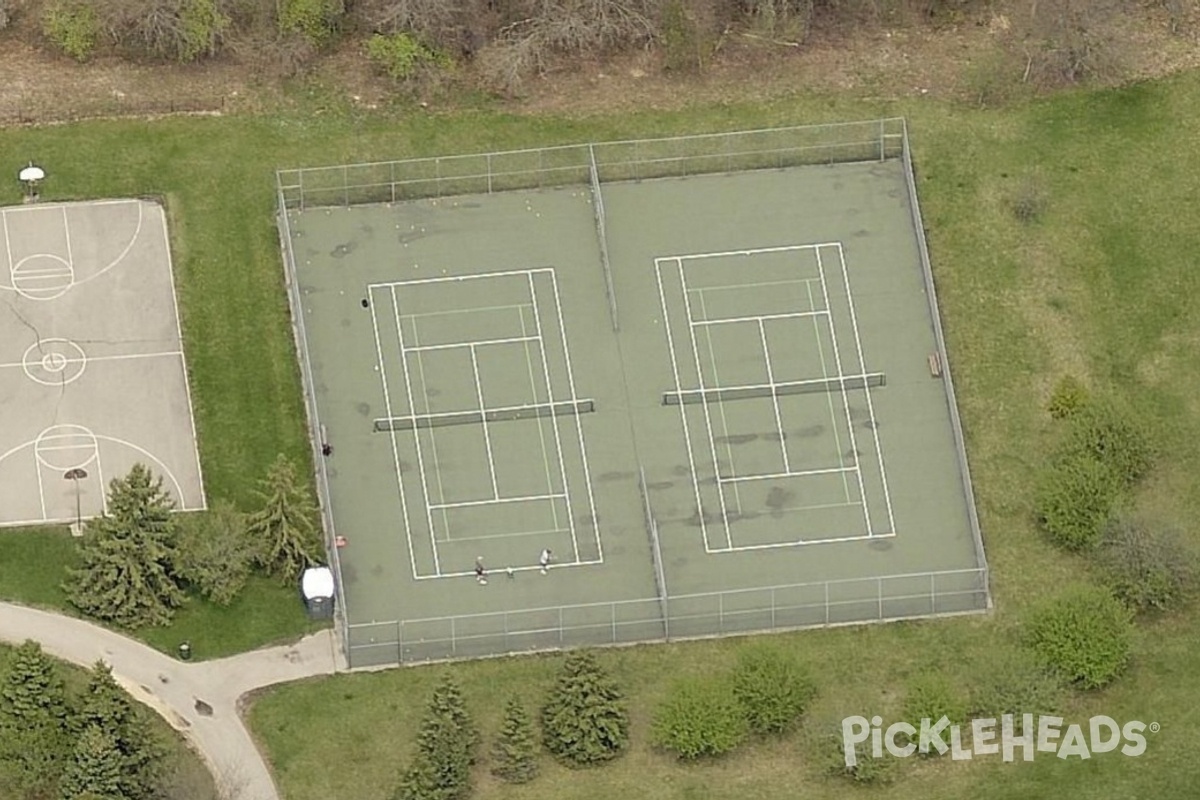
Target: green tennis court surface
706,374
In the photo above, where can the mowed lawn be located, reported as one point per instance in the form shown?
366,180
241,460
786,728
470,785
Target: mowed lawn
1102,284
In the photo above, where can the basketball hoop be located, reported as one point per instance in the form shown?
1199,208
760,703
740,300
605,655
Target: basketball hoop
30,177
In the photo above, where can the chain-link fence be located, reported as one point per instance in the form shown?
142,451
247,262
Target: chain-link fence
692,616
485,173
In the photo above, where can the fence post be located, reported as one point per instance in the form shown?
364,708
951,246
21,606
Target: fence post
560,626
932,593
392,171
772,609
346,186
399,641
453,638
437,177
612,615
826,602
879,596
881,139
721,613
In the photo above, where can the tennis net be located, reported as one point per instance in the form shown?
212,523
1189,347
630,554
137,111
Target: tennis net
660,578
602,235
721,394
487,415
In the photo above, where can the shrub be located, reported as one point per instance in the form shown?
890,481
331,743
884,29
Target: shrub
867,770
1083,634
1069,396
401,56
315,20
584,721
1110,433
700,717
72,27
1147,568
514,754
5,11
1013,683
214,552
931,696
772,688
1074,500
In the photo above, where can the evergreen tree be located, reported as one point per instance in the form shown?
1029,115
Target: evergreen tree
446,747
94,771
106,707
584,721
283,529
34,720
127,556
515,752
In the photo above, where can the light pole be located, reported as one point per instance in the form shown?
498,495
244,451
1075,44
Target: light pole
77,475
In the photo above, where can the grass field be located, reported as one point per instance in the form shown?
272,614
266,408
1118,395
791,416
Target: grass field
1101,284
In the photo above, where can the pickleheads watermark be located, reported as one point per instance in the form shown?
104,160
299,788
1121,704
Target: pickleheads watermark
1028,734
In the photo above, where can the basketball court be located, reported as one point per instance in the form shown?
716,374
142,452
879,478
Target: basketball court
92,372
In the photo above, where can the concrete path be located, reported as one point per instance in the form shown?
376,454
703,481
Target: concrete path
198,699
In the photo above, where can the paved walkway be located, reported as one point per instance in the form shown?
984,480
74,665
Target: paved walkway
198,699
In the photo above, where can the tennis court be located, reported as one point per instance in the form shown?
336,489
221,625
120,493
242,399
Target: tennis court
706,374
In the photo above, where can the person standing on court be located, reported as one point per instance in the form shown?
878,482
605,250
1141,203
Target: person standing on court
544,560
480,572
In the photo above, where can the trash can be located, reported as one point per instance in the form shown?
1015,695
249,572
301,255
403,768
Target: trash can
185,651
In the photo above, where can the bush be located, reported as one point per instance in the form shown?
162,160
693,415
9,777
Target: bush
1013,683
700,717
1148,569
1074,500
772,688
401,56
584,721
1110,433
214,553
315,20
1084,634
5,11
72,26
514,754
931,696
868,770
1068,397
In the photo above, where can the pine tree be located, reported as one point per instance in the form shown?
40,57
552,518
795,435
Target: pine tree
127,556
283,528
94,771
515,752
446,744
34,720
584,721
105,706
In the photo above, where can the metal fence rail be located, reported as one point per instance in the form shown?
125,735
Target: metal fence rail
680,156
692,616
602,235
316,438
940,339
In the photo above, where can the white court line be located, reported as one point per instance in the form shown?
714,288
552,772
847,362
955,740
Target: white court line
773,387
837,437
837,362
8,248
37,467
730,287
804,542
730,320
451,278
90,359
458,345
437,472
712,357
416,434
587,473
687,437
762,335
511,535
471,310
77,204
387,402
187,384
867,391
550,397
497,501
67,231
562,464
37,273
804,473
790,248
687,305
487,436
